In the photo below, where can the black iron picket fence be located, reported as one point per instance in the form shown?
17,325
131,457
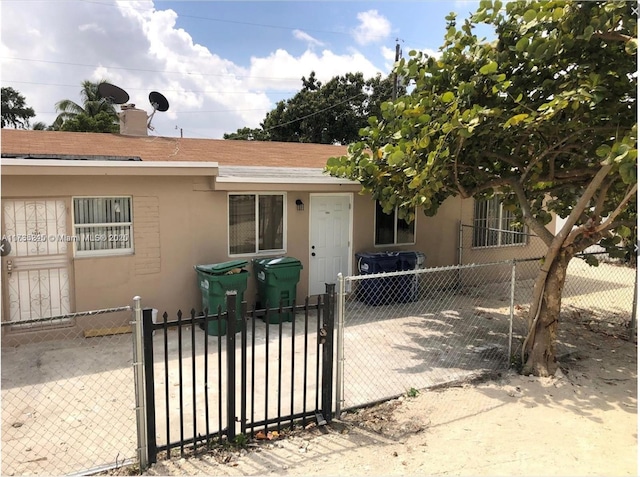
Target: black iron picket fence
263,373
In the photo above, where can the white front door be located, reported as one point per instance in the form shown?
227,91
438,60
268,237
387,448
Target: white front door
37,268
329,240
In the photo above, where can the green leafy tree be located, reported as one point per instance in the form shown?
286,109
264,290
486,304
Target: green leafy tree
15,112
320,113
94,115
100,123
544,117
248,134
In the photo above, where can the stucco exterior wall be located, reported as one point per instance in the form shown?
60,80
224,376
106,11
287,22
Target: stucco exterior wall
180,221
435,236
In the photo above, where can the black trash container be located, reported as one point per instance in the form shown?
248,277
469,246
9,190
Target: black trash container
377,291
407,285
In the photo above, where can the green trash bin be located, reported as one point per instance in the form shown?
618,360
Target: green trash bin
277,280
214,281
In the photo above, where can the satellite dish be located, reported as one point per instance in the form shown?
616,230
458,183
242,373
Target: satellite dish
112,94
159,103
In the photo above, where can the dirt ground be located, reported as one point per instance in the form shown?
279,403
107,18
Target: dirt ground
583,421
59,400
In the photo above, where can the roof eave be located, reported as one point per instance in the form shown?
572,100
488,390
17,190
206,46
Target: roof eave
48,167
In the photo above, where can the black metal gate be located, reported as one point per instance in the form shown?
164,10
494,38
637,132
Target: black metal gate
262,375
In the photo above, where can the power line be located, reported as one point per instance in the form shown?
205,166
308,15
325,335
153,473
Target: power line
187,112
317,112
267,91
233,22
293,120
148,70
309,115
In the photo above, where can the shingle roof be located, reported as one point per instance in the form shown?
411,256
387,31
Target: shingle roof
155,148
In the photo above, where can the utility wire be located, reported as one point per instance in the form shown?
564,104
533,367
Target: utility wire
267,91
234,22
309,115
298,119
315,113
149,71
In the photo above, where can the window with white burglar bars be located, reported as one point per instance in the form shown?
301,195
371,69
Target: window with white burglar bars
102,226
494,226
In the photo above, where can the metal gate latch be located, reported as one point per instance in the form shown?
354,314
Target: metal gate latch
323,334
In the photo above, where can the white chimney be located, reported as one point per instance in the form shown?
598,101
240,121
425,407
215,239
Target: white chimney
133,122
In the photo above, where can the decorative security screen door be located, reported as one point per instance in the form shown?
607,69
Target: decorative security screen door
36,271
330,249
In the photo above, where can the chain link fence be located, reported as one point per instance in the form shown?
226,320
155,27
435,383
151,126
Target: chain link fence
68,398
419,329
422,328
601,297
598,290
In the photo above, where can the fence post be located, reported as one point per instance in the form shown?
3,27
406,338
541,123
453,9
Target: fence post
633,325
138,372
340,346
231,365
511,309
147,333
460,241
327,351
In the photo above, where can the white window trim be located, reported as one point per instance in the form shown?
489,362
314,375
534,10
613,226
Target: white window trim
257,229
102,253
395,229
524,243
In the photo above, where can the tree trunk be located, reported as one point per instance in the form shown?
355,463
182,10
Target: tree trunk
540,348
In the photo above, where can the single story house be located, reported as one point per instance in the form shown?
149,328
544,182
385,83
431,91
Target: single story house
94,219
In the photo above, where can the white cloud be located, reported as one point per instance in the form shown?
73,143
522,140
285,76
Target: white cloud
373,28
388,54
91,26
283,70
138,46
311,41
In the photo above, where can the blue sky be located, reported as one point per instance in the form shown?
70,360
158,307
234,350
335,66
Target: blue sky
222,65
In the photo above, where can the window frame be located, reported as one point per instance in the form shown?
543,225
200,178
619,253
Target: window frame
499,231
104,252
395,228
257,251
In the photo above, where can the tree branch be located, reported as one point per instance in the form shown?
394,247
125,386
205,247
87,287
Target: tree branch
455,168
503,158
492,184
554,248
612,35
549,149
602,196
539,229
605,225
576,174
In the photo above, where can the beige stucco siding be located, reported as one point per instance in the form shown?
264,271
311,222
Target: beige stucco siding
177,223
174,228
435,236
180,221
